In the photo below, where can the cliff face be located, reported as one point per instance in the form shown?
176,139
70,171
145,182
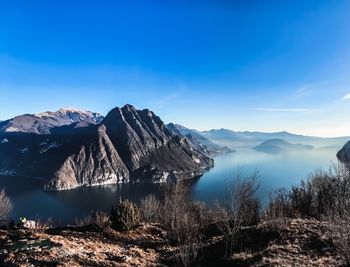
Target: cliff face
130,145
96,163
344,154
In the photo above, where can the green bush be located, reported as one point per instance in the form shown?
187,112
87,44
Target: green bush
124,216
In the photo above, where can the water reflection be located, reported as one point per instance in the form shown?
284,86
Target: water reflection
279,170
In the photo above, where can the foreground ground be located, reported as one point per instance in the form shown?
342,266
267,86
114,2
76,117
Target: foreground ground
293,243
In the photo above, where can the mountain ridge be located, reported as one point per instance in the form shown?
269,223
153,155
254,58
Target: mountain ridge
128,145
44,122
246,139
344,153
278,145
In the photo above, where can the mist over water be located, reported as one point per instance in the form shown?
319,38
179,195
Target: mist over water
276,171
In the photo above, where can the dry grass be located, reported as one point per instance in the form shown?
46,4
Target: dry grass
71,247
301,243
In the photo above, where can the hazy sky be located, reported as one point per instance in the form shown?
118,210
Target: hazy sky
242,65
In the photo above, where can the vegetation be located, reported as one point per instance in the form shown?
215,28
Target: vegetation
182,221
125,216
241,208
150,209
188,222
324,196
322,200
97,219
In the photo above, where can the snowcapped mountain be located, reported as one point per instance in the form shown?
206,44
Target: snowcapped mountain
128,145
42,123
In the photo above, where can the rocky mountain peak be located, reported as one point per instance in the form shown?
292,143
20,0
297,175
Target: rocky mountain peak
131,145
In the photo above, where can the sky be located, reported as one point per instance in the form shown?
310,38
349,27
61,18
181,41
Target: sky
241,65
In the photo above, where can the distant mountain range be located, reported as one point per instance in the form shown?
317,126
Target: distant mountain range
42,123
280,145
237,140
199,141
73,148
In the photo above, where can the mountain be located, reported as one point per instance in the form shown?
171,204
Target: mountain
236,140
344,154
128,145
43,123
197,140
279,145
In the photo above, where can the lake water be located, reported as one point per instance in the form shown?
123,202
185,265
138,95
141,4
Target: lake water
276,171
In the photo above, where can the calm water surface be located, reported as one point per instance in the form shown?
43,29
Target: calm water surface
276,170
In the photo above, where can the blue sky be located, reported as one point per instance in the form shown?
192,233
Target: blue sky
242,65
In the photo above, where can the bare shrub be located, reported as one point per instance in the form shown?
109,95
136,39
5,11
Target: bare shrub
240,209
279,205
325,195
101,219
338,211
339,230
184,220
150,209
83,221
98,218
278,210
313,197
5,207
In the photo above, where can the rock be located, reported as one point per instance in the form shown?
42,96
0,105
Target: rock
130,145
344,154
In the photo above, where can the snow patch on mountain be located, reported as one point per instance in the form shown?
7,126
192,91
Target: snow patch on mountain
43,123
11,129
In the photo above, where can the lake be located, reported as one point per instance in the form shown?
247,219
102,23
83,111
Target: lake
276,171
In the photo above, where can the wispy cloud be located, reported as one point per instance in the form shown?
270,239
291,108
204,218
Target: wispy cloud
346,97
304,91
287,109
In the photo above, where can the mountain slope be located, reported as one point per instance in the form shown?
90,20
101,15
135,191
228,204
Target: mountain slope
42,123
280,145
130,145
198,140
344,154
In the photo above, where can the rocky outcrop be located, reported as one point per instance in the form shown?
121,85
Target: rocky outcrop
344,154
130,145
